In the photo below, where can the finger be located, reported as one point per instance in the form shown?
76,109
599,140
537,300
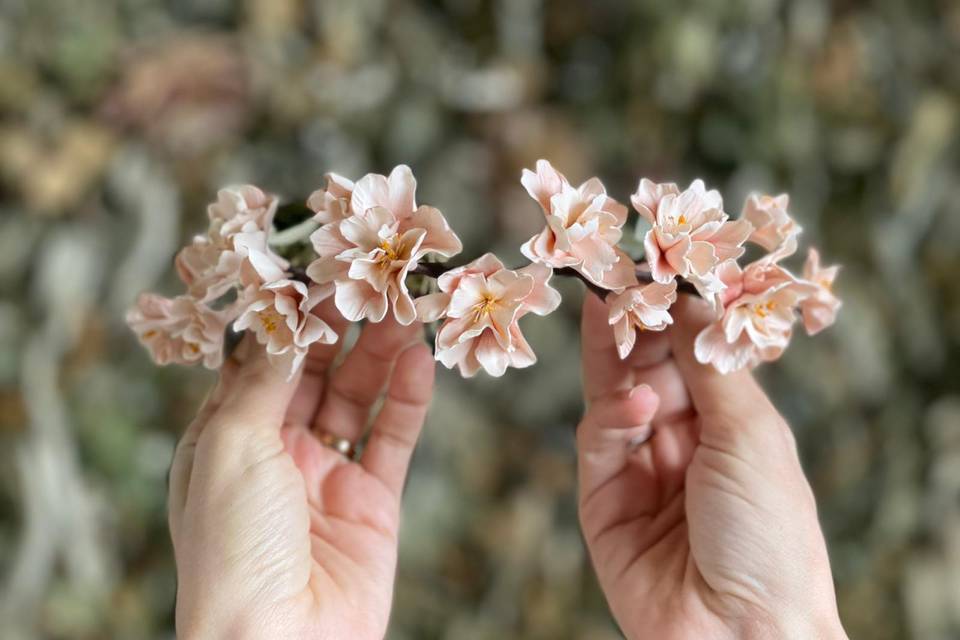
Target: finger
182,464
668,452
356,385
306,400
397,427
710,388
650,362
726,402
255,394
612,427
219,407
651,348
603,370
666,380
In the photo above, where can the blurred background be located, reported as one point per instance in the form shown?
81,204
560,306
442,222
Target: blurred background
119,119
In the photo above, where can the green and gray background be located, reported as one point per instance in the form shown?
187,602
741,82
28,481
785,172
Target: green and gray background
119,119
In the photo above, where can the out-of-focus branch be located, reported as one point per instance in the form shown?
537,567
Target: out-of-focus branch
60,512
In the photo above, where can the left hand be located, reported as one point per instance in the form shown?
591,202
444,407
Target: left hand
275,534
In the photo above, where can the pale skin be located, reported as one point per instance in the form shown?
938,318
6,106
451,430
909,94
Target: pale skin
276,535
698,517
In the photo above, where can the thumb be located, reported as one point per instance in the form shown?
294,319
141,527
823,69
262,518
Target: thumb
244,428
728,404
255,395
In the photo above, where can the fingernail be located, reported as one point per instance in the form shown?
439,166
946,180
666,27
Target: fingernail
638,388
641,437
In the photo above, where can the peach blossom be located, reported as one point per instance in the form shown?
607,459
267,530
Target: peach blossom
199,266
237,207
433,306
691,235
396,192
646,199
583,228
756,320
483,302
819,311
369,254
773,228
180,330
279,314
332,203
644,308
544,183
210,268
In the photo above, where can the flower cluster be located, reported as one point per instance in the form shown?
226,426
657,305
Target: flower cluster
370,237
234,260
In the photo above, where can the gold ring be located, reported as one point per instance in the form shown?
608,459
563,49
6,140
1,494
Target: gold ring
341,445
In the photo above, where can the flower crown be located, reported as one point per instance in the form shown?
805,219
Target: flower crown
373,242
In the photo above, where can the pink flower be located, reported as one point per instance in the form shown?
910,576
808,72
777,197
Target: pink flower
240,220
773,228
583,228
237,207
369,254
181,330
199,267
756,318
820,309
279,313
483,302
646,199
643,308
211,267
691,235
332,203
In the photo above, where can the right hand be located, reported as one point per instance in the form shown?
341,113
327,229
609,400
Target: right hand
698,517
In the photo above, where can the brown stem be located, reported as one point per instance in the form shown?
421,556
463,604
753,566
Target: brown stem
437,269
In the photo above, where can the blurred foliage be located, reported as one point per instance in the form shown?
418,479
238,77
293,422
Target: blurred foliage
121,118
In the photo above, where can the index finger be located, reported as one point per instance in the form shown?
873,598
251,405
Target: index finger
603,370
306,399
397,427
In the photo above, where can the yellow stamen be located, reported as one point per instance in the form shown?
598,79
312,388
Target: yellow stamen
761,310
149,334
193,348
682,219
269,320
484,307
389,252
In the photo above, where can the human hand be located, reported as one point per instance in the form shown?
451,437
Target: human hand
698,517
276,535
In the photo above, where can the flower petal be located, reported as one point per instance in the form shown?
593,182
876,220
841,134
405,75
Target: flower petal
542,299
357,300
491,356
432,307
402,189
440,238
